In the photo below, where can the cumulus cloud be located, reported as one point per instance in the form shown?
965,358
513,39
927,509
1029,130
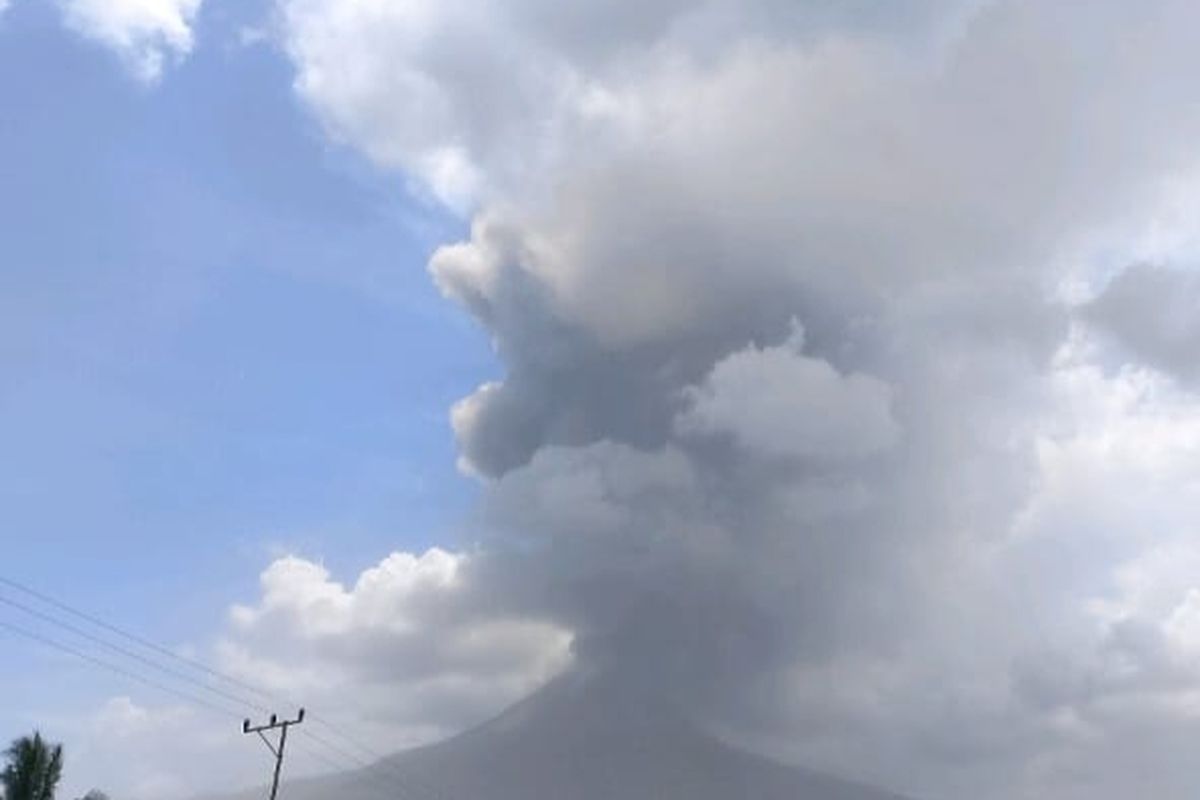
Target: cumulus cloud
145,34
415,616
776,401
469,96
938,541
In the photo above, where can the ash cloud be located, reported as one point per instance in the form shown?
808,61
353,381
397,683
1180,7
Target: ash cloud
1154,312
798,419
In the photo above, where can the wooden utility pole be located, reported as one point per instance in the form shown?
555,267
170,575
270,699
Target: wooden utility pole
276,750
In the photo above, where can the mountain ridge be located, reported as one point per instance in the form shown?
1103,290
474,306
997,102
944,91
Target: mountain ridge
580,738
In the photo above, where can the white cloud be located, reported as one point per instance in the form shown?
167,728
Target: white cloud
407,649
950,548
145,34
139,749
495,85
778,402
1182,627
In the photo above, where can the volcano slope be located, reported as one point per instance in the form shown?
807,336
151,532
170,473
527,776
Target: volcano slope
580,738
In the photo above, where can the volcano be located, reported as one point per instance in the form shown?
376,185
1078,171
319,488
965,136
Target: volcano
581,738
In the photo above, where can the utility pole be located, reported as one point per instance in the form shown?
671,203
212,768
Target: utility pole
276,750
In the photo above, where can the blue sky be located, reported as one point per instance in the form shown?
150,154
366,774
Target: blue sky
218,341
843,364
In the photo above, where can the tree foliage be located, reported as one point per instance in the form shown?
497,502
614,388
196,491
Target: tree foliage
32,770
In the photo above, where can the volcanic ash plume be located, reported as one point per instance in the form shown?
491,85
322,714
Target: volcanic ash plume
795,314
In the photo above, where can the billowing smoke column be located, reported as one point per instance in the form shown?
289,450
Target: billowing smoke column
795,310
776,321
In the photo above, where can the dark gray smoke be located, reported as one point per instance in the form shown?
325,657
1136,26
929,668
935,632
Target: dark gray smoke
799,422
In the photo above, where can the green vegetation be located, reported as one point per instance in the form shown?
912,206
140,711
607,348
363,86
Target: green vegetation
33,769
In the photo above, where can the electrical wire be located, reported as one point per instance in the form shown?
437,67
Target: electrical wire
129,653
380,762
119,670
355,769
190,662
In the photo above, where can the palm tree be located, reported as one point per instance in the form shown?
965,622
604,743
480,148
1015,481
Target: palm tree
34,767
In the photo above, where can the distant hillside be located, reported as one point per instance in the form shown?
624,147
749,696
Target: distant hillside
580,739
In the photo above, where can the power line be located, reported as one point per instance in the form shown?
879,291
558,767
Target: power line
65,648
279,749
380,760
357,776
127,653
380,764
133,637
361,774
132,675
193,663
